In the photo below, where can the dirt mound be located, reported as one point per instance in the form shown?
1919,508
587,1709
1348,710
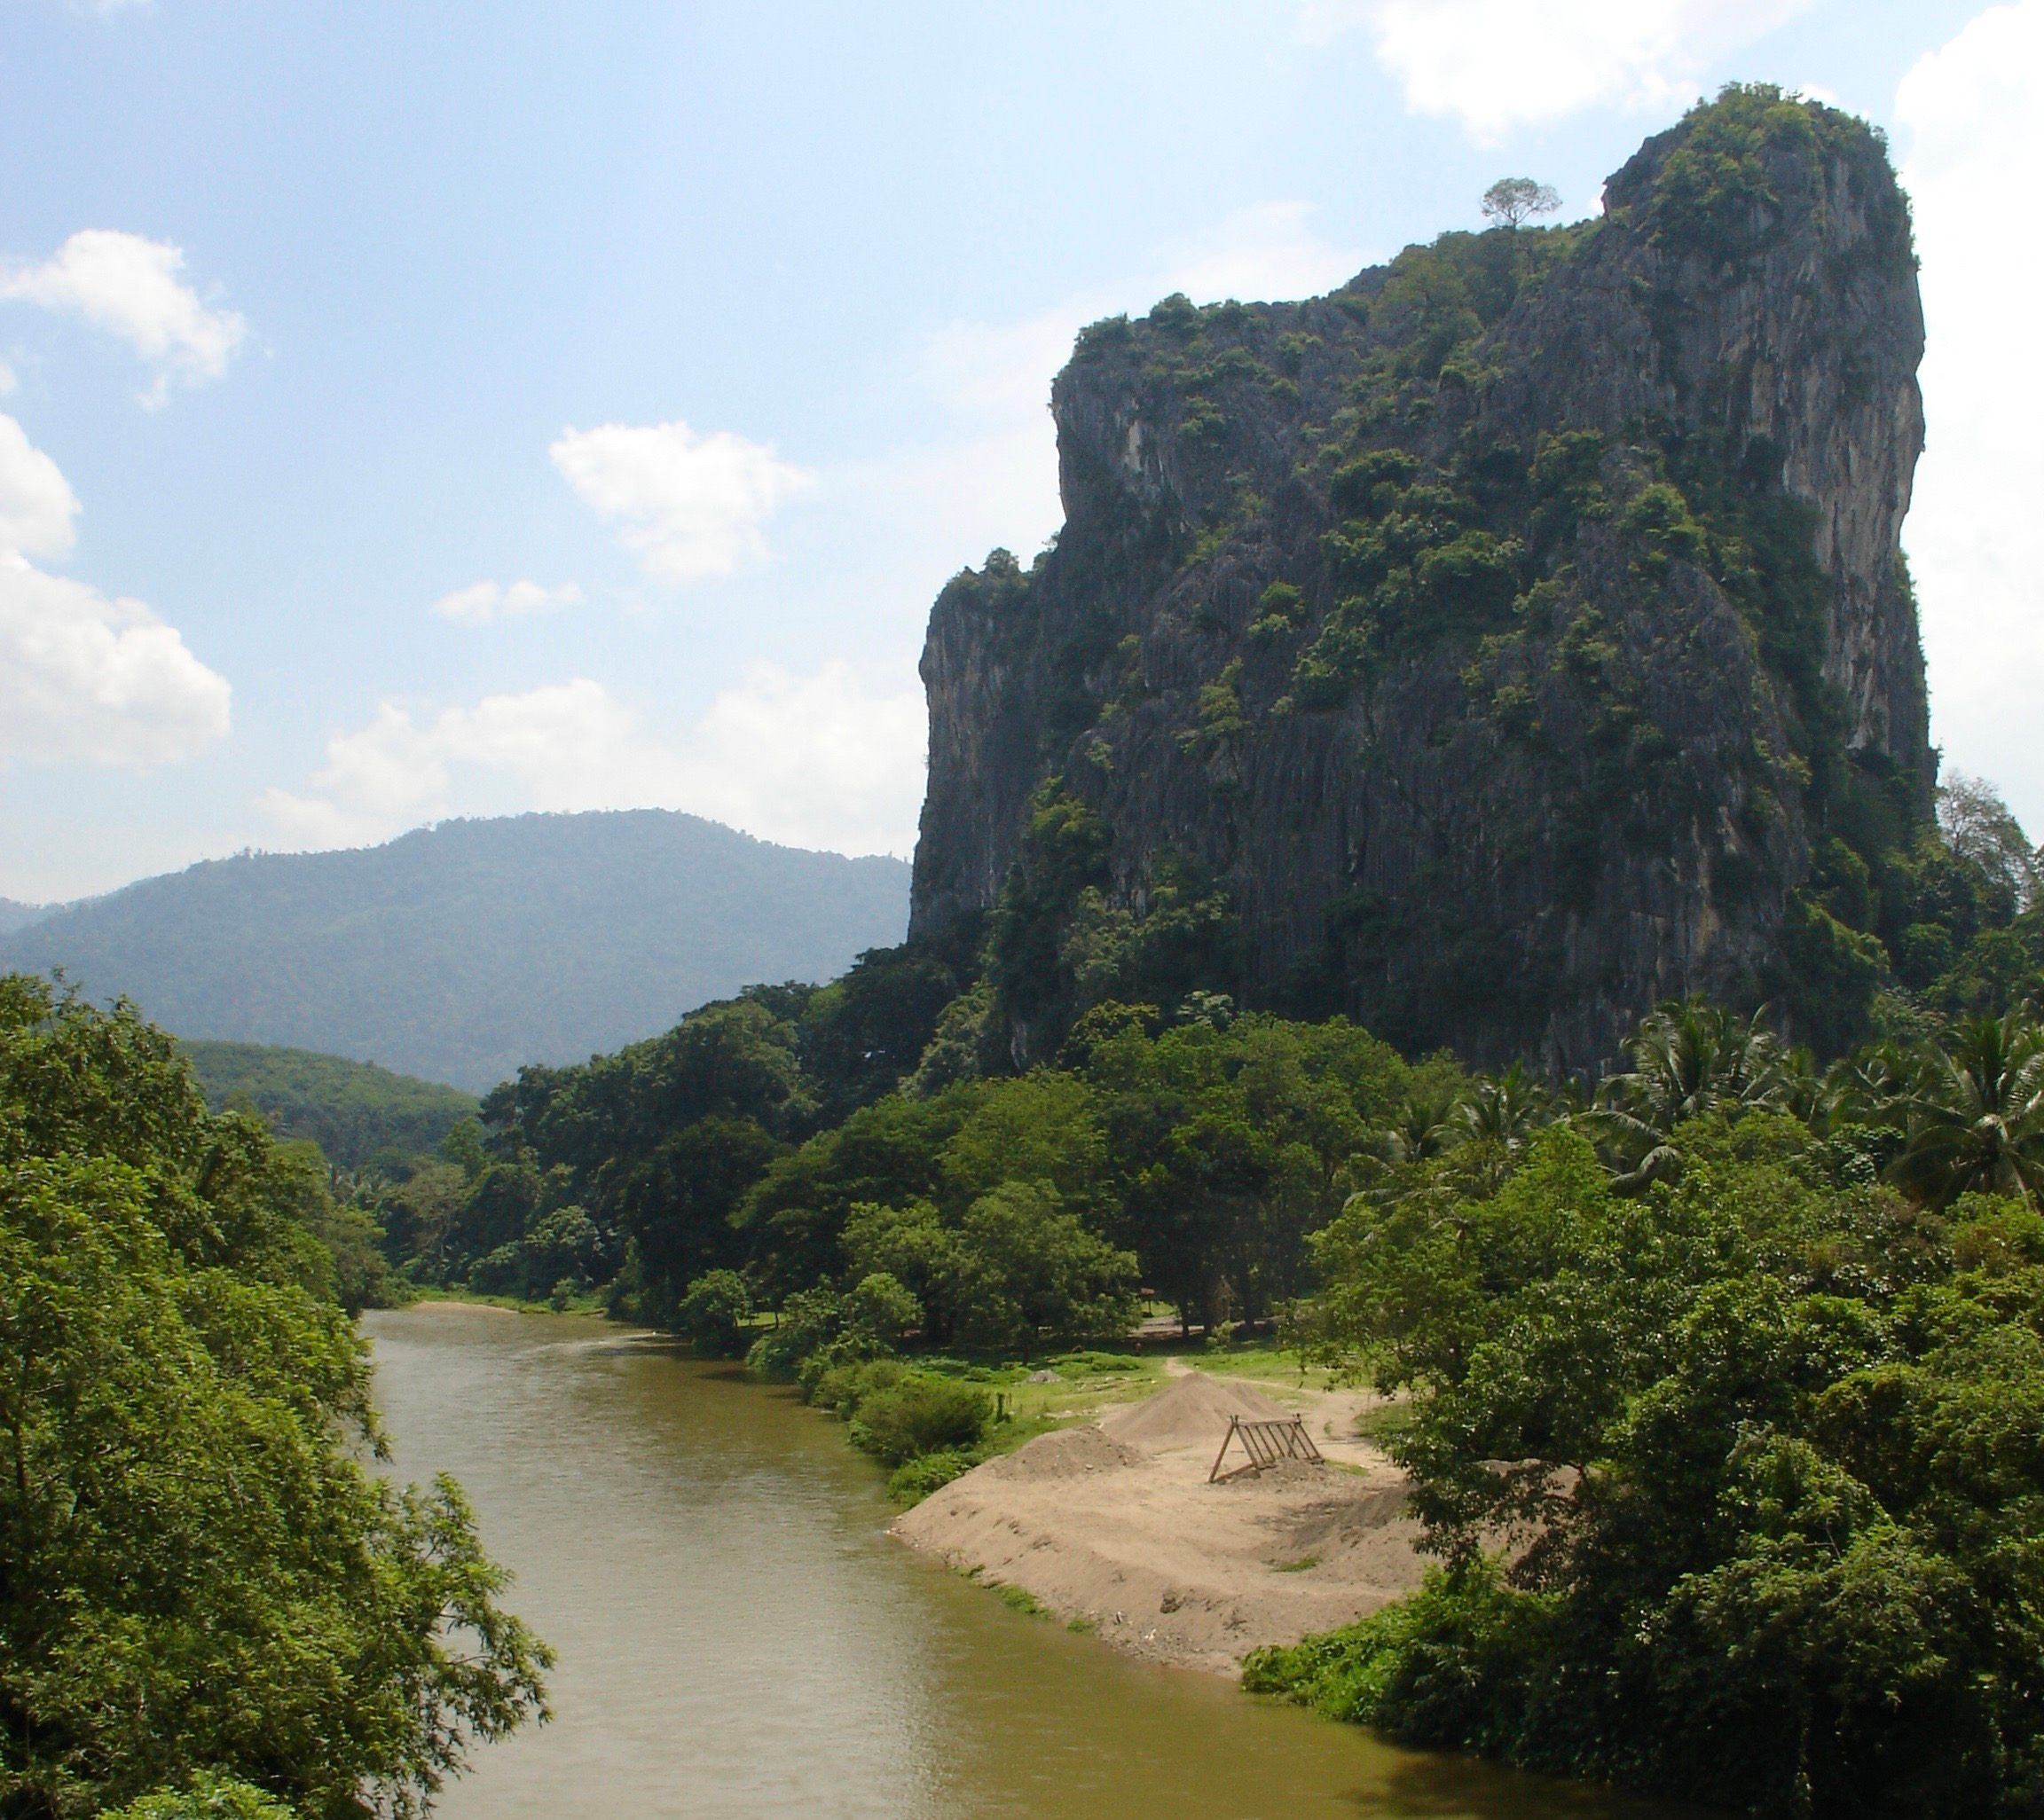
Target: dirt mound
1071,1454
1193,1410
1131,1541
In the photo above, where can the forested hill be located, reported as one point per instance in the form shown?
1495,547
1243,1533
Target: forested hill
355,1111
461,951
14,915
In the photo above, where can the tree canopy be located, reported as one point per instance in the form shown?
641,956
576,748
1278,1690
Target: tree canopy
1512,201
199,1576
1733,1471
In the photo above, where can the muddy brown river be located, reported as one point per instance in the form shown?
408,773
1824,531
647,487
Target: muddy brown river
739,1637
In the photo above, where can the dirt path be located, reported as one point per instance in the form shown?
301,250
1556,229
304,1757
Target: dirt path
1116,1525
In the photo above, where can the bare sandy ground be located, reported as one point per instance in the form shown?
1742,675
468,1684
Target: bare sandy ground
1115,1524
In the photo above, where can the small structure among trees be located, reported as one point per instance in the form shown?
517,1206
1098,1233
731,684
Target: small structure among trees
1512,201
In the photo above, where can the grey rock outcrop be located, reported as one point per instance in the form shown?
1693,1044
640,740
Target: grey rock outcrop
1483,756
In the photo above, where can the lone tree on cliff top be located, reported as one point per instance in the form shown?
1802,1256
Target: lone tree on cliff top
1511,201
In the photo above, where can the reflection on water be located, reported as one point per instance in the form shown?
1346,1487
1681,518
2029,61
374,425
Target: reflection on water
738,1636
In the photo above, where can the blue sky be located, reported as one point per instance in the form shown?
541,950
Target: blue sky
414,410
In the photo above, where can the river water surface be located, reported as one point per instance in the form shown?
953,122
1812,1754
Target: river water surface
739,1637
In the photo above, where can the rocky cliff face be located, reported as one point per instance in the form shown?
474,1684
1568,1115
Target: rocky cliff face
1481,650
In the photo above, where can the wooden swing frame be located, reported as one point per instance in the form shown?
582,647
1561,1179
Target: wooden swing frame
1266,1443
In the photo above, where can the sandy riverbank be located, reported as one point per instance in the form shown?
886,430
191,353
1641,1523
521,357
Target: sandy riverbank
1116,1524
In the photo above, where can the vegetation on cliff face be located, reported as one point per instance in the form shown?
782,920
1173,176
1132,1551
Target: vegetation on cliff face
1516,638
210,1602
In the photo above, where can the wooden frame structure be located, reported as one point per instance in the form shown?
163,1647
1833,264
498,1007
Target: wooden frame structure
1266,1443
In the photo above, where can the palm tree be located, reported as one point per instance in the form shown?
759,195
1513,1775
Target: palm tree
1508,1110
1798,1088
1976,1116
1872,1086
1424,1125
1689,1057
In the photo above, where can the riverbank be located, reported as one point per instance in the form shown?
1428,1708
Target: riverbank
1114,1527
740,1640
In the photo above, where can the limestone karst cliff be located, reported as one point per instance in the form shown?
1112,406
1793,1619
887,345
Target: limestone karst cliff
1514,638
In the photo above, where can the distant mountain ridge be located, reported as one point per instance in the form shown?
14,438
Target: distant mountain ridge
15,916
458,952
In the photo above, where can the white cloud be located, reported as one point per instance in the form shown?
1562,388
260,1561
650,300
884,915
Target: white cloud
36,503
83,676
7,380
485,600
1494,65
814,760
1972,113
134,288
692,505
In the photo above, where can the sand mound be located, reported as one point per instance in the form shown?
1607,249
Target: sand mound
1191,1411
1070,1453
1116,1527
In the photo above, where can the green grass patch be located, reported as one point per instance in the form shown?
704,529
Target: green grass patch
1019,1598
916,1479
589,1303
1384,1421
1298,1566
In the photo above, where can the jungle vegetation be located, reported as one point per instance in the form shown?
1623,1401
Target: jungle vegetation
210,1602
358,1113
1721,1375
1732,1457
1722,1372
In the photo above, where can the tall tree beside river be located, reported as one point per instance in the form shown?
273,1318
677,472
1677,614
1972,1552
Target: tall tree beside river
199,1578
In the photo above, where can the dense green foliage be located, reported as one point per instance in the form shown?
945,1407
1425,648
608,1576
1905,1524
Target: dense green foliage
200,1584
898,1414
425,954
1192,1155
1696,1358
205,1797
358,1113
1731,1453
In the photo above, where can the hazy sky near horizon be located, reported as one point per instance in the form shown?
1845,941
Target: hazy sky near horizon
415,410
